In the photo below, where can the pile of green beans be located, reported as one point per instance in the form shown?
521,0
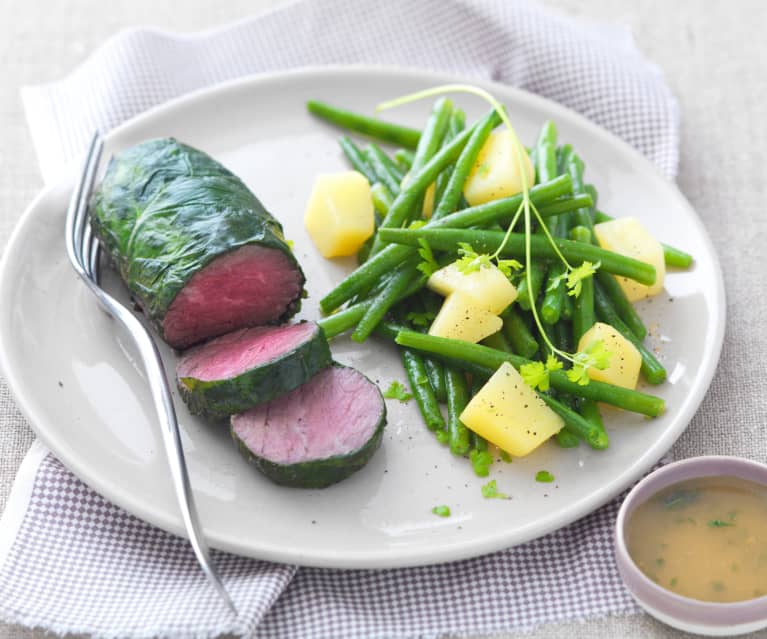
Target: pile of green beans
386,294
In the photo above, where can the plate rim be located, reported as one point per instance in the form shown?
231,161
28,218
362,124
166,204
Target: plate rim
404,557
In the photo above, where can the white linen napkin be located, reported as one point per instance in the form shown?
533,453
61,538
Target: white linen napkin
72,562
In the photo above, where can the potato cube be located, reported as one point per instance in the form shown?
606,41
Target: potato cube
339,214
496,172
510,414
487,287
628,237
460,318
625,361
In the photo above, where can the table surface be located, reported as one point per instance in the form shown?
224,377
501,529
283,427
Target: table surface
711,54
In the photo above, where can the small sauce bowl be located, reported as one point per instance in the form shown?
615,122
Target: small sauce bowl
692,615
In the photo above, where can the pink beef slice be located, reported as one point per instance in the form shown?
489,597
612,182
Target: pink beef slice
249,286
235,353
334,413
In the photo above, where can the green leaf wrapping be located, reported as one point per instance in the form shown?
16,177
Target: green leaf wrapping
165,210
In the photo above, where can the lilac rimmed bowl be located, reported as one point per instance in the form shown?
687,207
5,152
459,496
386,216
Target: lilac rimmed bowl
692,615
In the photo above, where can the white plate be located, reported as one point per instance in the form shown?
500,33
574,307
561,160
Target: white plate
76,379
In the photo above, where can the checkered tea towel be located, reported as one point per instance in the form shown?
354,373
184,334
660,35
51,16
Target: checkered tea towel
72,562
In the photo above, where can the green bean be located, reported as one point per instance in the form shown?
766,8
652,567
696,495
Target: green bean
672,256
478,442
567,438
499,342
582,216
457,122
564,205
417,183
522,341
620,302
652,369
592,191
364,252
404,159
562,336
589,410
380,264
459,438
446,239
580,234
568,308
433,132
583,304
676,257
372,127
554,293
382,198
342,321
526,297
454,187
548,135
390,330
386,298
388,162
456,125
546,156
357,159
563,155
490,358
391,180
546,167
576,424
436,373
419,384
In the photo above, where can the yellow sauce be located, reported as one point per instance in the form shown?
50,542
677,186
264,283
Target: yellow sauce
704,538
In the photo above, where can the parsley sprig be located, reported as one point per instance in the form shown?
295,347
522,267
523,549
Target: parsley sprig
397,390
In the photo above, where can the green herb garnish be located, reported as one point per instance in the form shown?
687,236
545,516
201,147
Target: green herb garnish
719,523
536,374
595,356
398,391
428,264
680,498
490,491
544,476
441,511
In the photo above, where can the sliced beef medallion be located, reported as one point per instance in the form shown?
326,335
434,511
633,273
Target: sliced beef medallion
316,435
239,370
198,251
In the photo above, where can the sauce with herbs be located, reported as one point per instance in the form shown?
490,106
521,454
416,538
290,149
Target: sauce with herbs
704,538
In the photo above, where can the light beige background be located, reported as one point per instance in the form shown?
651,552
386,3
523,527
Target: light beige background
713,54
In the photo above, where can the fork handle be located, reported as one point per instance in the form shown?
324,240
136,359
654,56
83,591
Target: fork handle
166,413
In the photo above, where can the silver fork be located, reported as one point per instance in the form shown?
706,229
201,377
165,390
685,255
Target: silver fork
83,250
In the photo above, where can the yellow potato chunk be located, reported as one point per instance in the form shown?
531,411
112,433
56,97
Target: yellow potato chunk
625,360
496,172
488,288
509,414
628,237
339,214
460,318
